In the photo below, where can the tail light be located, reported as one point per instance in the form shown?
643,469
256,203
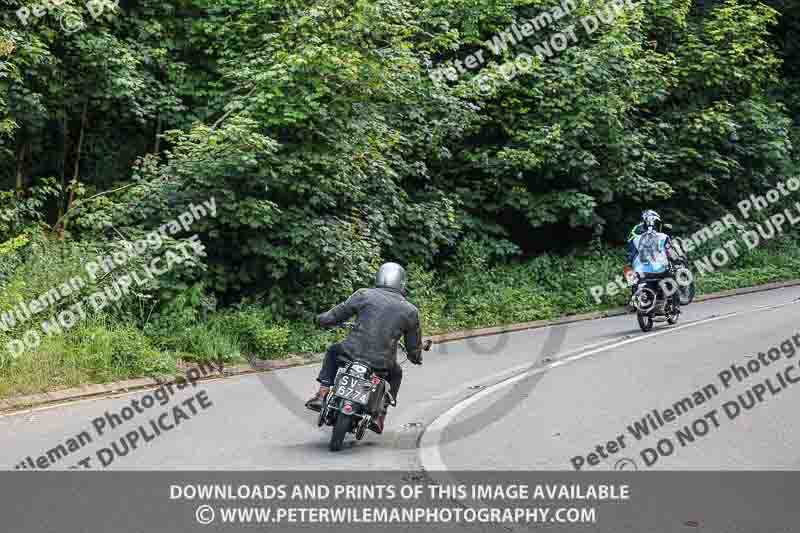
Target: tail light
348,408
376,380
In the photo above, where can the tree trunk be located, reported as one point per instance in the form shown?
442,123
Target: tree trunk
76,168
65,155
20,180
158,132
78,155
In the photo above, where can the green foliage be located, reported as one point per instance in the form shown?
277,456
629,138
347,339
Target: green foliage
256,333
23,215
204,342
426,293
317,129
96,351
328,149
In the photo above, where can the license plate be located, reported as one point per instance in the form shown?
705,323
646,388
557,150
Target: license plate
354,389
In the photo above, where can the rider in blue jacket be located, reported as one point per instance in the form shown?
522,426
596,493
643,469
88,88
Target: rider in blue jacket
649,249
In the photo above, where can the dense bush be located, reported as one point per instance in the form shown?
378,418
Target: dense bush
328,147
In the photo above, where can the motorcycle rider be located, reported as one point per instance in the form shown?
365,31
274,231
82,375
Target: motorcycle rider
640,227
383,316
650,251
637,230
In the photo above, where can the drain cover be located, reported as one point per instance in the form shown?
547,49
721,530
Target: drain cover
412,425
476,387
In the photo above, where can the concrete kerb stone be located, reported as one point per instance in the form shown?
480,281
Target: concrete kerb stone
10,405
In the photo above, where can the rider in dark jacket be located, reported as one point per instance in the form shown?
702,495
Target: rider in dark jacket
384,315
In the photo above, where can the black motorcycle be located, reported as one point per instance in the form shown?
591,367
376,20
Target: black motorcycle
358,397
653,297
652,304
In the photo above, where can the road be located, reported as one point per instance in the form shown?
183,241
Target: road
540,399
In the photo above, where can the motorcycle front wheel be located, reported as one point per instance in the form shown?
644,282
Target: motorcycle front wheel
340,429
645,322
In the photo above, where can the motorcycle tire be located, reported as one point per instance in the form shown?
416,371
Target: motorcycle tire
340,429
361,429
645,322
686,294
672,319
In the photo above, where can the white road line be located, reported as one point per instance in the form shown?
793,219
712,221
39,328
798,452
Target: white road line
429,453
511,372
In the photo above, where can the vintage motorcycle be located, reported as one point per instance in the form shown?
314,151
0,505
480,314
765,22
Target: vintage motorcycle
358,397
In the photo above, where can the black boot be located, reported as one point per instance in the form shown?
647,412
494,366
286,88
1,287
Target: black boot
315,403
376,424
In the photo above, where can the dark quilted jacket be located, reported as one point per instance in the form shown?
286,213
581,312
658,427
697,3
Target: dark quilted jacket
384,315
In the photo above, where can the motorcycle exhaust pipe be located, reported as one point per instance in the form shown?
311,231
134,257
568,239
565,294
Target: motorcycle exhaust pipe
644,300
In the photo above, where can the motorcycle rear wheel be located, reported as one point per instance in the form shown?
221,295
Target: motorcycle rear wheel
645,322
340,429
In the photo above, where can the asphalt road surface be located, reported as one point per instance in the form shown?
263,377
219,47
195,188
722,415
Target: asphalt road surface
552,398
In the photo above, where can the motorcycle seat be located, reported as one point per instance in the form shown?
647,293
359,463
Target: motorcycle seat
381,372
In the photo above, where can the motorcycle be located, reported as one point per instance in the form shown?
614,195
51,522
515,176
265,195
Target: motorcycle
650,301
360,394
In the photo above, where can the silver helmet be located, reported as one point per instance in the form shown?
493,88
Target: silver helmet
392,276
